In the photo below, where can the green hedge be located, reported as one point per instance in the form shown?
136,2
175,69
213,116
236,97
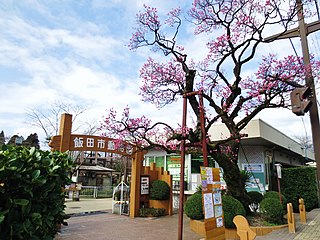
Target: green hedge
231,208
272,210
300,182
152,212
193,206
160,190
32,200
275,195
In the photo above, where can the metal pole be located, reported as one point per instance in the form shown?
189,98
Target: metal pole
183,148
203,132
314,116
279,190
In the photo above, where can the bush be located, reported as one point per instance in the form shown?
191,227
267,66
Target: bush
255,199
160,190
272,210
275,195
300,182
193,207
154,212
255,196
32,200
231,208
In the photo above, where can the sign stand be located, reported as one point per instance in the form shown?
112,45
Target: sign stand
212,203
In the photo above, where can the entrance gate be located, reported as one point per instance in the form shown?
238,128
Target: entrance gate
66,141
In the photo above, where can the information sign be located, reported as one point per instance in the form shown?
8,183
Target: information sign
144,185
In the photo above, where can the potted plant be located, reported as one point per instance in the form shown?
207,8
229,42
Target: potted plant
160,195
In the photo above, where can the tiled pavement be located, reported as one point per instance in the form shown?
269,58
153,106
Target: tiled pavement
102,224
309,231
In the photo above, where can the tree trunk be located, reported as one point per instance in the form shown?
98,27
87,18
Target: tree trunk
233,179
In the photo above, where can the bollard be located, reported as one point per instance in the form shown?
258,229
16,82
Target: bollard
302,210
291,220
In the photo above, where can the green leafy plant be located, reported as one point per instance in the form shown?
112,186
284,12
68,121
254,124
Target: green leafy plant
275,195
255,199
199,189
300,182
152,212
32,198
193,207
245,177
272,210
231,207
160,190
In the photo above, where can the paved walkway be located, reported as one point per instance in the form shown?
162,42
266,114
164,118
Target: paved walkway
101,224
92,219
309,231
88,205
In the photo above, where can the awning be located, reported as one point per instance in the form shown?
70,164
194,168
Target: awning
95,168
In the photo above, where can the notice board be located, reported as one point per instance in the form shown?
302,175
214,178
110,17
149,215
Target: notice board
212,203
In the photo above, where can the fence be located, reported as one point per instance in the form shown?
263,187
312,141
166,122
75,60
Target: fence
96,191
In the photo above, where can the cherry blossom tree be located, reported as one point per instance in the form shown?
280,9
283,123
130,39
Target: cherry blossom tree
236,30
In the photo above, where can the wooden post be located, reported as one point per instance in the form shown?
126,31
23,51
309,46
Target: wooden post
291,220
65,131
135,184
302,210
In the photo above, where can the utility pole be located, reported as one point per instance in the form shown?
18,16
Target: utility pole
302,31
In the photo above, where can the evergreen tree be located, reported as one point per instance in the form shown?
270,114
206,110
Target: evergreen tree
2,139
32,141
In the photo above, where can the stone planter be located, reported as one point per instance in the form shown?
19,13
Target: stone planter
160,204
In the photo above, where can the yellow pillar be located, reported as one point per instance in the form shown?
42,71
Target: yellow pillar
291,220
302,210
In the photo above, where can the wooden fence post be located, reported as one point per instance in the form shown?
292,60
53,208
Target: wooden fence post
302,210
291,220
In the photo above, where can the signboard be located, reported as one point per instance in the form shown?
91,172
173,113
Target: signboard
212,203
257,180
174,169
253,167
144,185
93,143
278,166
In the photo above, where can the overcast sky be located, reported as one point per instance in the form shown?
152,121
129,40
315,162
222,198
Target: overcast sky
76,52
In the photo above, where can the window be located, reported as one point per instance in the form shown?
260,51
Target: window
159,161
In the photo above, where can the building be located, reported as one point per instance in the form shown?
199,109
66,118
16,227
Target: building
260,151
95,168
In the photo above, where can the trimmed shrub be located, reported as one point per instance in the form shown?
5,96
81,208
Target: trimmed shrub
275,195
255,199
160,190
271,210
231,208
153,212
32,198
300,182
255,196
193,207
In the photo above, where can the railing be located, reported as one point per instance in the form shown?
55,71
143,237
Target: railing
96,191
